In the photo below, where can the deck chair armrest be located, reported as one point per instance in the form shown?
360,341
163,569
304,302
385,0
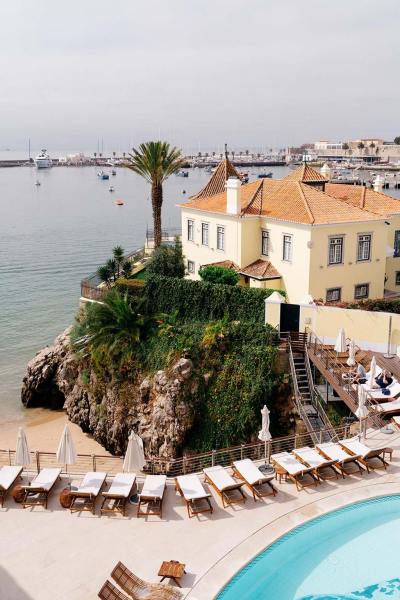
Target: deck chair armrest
112,495
233,486
33,488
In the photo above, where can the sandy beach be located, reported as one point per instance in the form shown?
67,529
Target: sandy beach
43,429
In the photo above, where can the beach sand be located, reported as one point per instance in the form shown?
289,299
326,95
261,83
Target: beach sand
43,429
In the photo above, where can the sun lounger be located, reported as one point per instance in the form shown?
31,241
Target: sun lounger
8,476
311,458
115,499
137,588
228,489
110,592
294,469
152,494
393,388
396,422
387,407
38,491
192,491
259,484
84,498
367,455
343,460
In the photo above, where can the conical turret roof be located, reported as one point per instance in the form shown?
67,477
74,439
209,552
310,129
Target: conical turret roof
216,184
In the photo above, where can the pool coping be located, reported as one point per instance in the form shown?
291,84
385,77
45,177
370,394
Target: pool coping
212,582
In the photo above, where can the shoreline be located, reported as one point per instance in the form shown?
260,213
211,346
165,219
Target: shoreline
43,428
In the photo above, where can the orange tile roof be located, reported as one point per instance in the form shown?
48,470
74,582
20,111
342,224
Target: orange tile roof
365,198
261,269
306,174
216,183
228,264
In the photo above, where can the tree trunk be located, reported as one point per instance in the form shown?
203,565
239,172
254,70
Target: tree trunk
156,201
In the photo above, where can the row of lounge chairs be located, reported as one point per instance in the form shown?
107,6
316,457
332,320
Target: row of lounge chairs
304,466
135,587
309,466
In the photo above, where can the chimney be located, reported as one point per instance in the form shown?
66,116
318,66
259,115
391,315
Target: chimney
233,193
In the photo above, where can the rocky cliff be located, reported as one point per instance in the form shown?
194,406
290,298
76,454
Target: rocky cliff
154,407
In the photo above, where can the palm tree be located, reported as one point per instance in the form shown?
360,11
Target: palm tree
104,275
155,162
126,269
361,147
345,147
118,256
111,265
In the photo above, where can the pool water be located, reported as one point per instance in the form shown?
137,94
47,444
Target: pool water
349,554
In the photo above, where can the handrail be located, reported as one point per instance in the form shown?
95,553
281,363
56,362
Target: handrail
315,399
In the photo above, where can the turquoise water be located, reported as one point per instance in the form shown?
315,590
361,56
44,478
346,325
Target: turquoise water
349,554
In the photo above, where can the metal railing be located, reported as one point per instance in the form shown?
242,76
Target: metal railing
316,400
187,464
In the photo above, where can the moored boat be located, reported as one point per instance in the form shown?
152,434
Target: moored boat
43,160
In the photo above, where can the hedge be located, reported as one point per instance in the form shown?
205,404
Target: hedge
134,287
203,301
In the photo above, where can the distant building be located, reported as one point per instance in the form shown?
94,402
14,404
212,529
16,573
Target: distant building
300,234
367,149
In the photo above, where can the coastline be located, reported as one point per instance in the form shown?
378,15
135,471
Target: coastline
43,429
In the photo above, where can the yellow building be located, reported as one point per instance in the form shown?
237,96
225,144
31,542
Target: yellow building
300,234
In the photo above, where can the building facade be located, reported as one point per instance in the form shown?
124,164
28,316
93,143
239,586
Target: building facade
300,234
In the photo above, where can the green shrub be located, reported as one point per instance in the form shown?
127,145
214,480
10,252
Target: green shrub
203,301
167,260
217,274
134,287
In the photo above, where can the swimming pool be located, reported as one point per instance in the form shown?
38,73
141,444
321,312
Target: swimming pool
348,554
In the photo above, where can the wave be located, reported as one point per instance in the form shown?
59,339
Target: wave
376,591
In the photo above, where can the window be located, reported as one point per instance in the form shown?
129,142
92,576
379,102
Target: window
361,291
364,247
287,247
333,295
190,230
396,243
190,266
335,250
204,234
397,277
265,243
220,237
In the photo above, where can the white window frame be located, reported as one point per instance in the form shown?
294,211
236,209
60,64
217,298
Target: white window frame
339,289
191,267
336,245
368,242
265,237
361,285
205,227
222,247
397,278
190,230
290,256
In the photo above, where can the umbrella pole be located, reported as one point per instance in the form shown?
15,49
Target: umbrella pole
265,452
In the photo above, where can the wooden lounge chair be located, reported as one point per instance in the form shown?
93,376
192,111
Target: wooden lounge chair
295,470
152,494
367,456
84,498
259,484
343,460
323,468
110,592
8,476
192,491
392,406
37,493
137,588
117,496
229,490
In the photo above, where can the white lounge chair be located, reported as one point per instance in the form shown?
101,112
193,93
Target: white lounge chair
37,493
8,476
84,498
228,489
291,467
366,454
192,491
259,484
311,458
333,451
393,388
115,499
387,407
152,494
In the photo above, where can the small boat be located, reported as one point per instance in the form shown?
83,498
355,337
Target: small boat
265,175
183,191
113,172
103,175
182,174
37,182
111,188
43,160
119,202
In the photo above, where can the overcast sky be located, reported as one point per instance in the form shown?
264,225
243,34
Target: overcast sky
252,73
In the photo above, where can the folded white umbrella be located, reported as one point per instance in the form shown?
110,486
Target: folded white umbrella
372,371
264,434
22,454
134,457
351,361
66,453
361,411
340,345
